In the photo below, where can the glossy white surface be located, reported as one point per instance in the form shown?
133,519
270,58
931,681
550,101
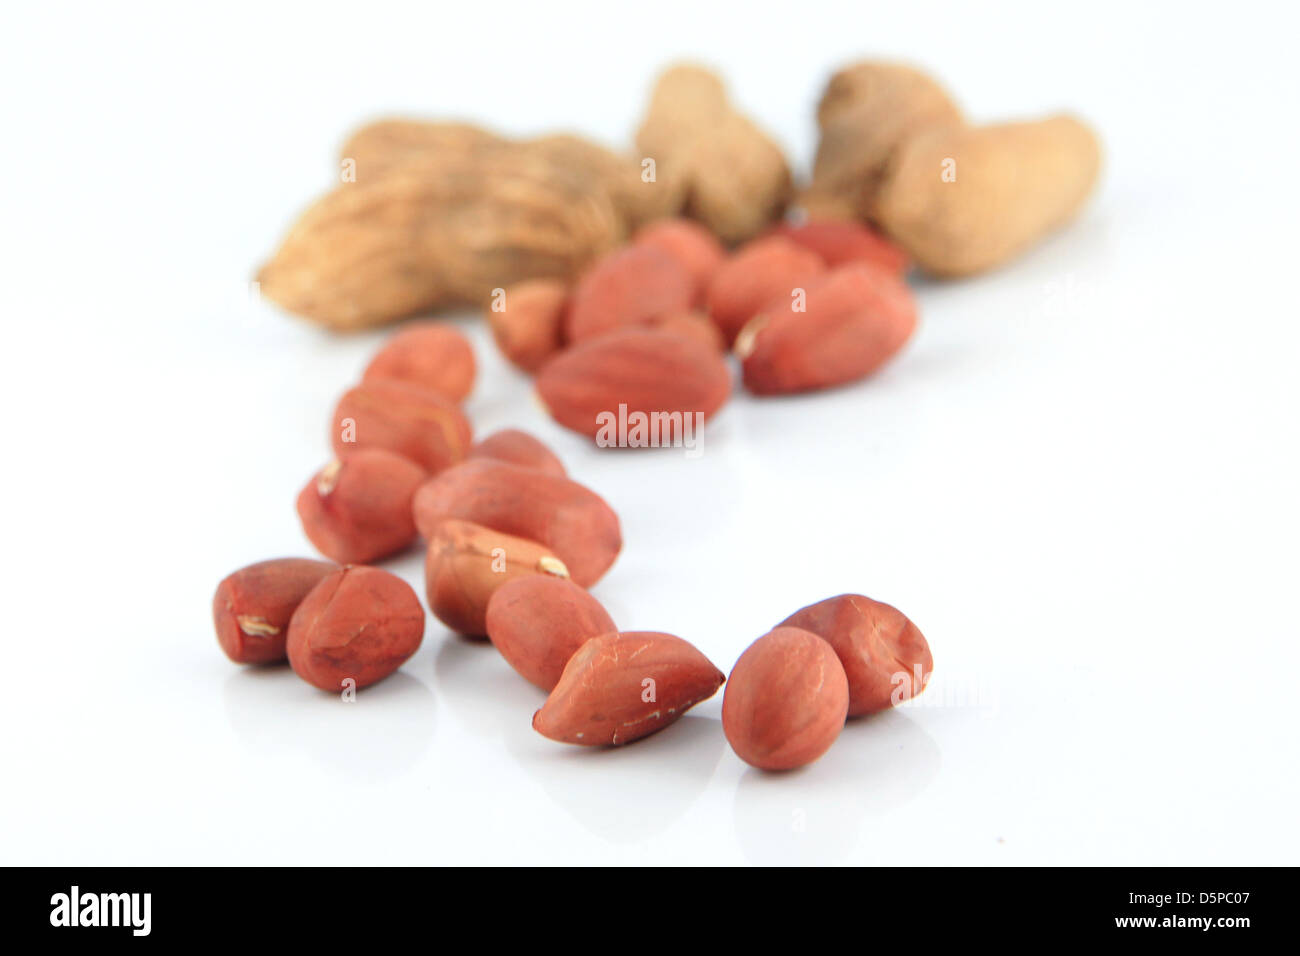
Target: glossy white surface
1079,480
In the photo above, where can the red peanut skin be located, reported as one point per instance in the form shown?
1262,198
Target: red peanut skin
264,595
598,699
695,326
359,623
840,242
874,642
627,287
646,369
858,317
461,573
539,622
786,701
518,448
530,328
759,273
413,422
362,512
571,520
694,247
429,355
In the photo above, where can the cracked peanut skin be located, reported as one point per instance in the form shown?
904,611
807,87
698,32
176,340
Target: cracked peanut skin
786,700
358,623
601,697
1014,183
875,643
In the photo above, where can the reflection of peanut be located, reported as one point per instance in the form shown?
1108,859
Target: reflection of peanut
1009,185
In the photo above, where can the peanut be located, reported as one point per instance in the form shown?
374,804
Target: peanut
539,622
618,688
867,112
786,700
562,515
387,144
358,509
529,325
692,246
467,562
1011,185
732,176
357,624
252,606
882,652
840,242
959,199
411,421
858,317
439,229
517,448
694,325
761,271
662,376
629,287
431,355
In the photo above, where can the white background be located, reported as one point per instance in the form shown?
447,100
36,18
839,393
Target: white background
1079,479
